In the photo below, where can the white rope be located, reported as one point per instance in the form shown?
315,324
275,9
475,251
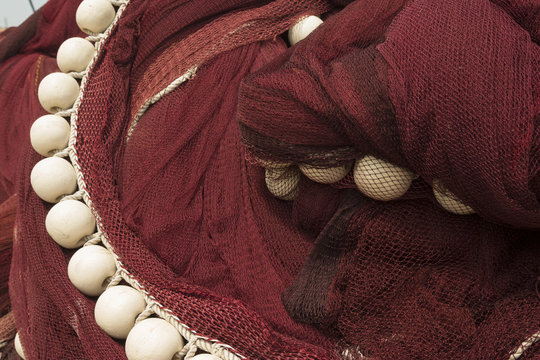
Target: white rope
115,279
170,88
77,75
78,195
65,113
188,351
62,153
96,37
524,346
145,314
93,239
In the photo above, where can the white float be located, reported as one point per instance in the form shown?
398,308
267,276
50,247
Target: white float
90,268
68,222
18,346
52,178
283,183
48,134
325,175
153,339
75,54
57,92
449,201
117,308
303,28
94,16
381,180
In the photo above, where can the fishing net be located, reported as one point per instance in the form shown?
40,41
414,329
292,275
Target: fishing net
435,88
205,200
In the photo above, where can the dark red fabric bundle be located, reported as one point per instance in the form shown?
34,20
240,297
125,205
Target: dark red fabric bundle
414,93
448,89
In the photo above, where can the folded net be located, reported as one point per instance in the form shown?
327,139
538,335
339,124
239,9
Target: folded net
446,89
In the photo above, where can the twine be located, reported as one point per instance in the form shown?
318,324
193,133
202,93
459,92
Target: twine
188,351
525,345
154,99
93,239
145,314
115,279
78,195
63,153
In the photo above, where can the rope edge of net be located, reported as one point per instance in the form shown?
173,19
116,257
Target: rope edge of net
524,346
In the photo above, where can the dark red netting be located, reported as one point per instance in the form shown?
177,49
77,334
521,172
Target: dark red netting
448,89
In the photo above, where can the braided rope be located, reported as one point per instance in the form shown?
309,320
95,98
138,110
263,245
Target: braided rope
188,351
77,75
149,102
145,314
62,153
78,195
65,113
93,239
525,345
115,279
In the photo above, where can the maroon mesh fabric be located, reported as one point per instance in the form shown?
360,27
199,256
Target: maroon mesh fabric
404,101
499,96
8,210
7,220
448,89
185,229
188,213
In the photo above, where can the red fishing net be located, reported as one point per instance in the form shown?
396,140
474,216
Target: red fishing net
447,89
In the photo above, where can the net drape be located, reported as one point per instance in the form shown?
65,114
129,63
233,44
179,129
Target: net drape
448,89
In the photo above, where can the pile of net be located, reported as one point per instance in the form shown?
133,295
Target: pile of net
448,90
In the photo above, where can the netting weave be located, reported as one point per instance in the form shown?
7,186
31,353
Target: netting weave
441,93
220,202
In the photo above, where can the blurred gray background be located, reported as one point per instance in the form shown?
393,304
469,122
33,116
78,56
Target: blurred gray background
14,12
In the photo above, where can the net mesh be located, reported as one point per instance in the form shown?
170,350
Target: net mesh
436,103
318,228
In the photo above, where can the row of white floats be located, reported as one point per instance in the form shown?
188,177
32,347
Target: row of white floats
70,222
375,178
